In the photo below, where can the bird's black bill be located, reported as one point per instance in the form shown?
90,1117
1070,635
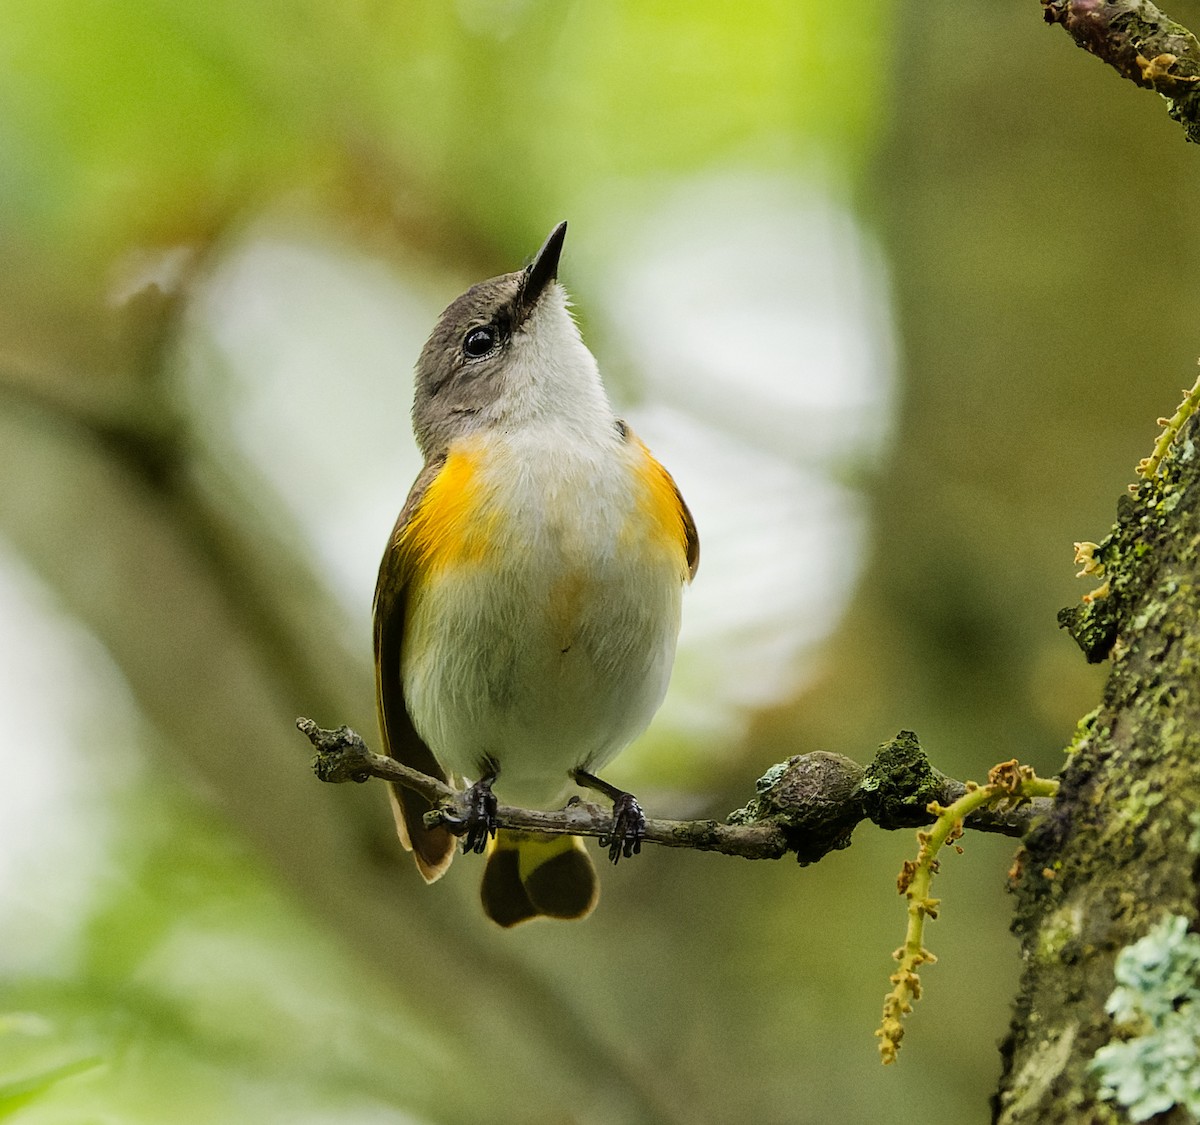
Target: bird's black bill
544,268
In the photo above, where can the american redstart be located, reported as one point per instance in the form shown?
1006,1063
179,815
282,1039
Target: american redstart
528,602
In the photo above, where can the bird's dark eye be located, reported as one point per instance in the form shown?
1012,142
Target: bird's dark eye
479,341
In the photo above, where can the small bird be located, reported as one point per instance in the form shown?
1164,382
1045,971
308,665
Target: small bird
528,602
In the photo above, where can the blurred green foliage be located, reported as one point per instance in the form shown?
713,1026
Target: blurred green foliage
198,992
168,117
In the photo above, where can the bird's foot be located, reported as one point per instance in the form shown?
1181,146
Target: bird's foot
477,823
628,823
628,828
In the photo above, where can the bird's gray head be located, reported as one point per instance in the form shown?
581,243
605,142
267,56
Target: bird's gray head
503,354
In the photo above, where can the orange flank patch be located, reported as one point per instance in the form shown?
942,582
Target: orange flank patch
661,507
449,526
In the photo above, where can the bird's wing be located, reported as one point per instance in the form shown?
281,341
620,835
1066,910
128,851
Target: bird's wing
658,476
432,848
691,537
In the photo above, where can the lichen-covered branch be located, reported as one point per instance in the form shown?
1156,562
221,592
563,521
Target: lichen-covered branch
808,805
1142,43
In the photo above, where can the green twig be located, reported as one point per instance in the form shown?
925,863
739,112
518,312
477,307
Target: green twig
1006,782
1148,466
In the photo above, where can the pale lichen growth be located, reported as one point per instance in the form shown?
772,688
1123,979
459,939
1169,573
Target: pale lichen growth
1193,840
1157,71
1088,559
1156,1005
1085,557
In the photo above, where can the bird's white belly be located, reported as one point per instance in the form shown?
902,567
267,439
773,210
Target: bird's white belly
555,651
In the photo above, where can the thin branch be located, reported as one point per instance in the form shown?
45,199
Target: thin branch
808,805
1143,44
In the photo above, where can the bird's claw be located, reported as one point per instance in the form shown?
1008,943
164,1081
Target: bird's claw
628,828
480,816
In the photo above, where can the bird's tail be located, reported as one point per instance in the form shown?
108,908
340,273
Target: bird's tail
529,875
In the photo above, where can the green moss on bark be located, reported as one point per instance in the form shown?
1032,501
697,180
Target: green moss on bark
1113,857
900,783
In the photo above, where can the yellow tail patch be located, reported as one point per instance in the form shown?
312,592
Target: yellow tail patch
531,876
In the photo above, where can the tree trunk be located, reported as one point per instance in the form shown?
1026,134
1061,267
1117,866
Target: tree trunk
1118,855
